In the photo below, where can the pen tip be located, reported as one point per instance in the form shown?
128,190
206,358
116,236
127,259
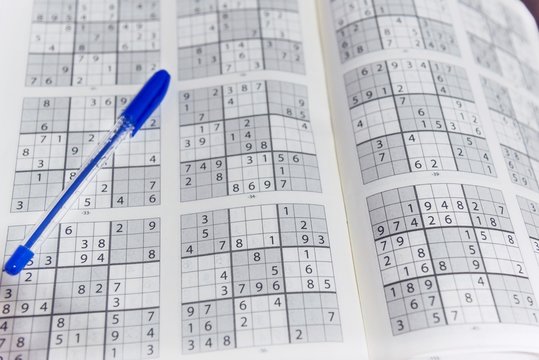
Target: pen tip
18,260
11,269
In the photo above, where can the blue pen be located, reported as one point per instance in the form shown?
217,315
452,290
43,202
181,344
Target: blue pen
129,122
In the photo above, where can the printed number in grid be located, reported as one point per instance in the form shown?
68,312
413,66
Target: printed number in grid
57,134
83,42
91,292
499,43
246,137
530,213
448,255
221,37
415,115
364,26
257,276
517,132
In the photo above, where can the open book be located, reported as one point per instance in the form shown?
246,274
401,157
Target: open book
334,178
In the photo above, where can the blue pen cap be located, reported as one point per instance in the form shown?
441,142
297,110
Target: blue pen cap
18,260
147,100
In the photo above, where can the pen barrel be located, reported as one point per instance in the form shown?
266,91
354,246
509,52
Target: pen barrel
129,122
65,200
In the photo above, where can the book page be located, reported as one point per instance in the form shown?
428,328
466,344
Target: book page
433,107
219,230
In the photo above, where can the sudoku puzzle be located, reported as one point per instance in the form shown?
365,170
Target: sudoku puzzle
364,26
255,276
93,42
91,292
221,37
498,42
530,213
246,137
58,133
448,255
517,131
415,115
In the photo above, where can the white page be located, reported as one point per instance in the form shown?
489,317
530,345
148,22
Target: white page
160,333
475,334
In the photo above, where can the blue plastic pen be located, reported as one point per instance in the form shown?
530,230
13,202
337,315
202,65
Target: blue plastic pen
129,122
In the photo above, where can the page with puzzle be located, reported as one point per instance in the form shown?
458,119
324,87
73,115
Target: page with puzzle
219,230
348,178
434,111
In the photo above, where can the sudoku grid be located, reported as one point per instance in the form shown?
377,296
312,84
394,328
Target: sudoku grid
227,36
363,26
448,255
517,131
415,115
58,133
256,276
93,42
499,43
91,292
530,213
246,137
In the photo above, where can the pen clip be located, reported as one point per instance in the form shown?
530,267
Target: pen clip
146,100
